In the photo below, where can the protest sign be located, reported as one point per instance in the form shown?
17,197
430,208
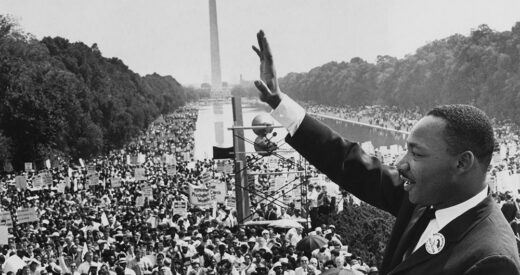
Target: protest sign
28,166
47,179
133,160
206,178
170,159
180,207
141,158
48,163
61,187
218,190
115,182
5,219
93,180
91,169
231,202
171,170
37,181
8,167
4,235
139,201
139,174
199,195
272,163
26,215
147,192
187,156
21,182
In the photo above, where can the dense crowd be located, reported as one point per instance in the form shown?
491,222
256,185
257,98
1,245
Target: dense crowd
118,214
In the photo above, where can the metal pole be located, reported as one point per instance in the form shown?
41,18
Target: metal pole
242,193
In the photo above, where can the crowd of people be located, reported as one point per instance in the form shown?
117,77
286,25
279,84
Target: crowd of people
117,214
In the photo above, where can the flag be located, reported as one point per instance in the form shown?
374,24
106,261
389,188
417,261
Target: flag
223,153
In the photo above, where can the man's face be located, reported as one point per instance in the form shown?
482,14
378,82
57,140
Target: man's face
427,167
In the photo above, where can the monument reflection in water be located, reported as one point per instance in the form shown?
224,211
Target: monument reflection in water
214,119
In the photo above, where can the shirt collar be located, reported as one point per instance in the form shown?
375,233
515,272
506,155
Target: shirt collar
446,215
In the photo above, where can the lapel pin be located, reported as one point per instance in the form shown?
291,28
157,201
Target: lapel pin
435,243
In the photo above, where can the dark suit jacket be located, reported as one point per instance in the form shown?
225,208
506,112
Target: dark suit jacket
479,241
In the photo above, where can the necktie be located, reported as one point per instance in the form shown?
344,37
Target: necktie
418,229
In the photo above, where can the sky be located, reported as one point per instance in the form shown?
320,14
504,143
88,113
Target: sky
171,37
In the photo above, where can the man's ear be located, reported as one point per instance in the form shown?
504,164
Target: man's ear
466,161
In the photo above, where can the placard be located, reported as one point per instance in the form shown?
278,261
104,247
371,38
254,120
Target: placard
93,180
4,235
47,179
199,195
171,170
141,158
21,182
139,174
28,166
231,202
5,219
26,215
115,182
37,181
139,201
147,192
218,190
180,207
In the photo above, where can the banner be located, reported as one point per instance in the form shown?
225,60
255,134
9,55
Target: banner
21,182
26,215
199,196
218,190
180,207
5,219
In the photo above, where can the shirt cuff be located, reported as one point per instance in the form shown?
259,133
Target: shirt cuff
289,114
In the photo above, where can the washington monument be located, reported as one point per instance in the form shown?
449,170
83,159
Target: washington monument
216,77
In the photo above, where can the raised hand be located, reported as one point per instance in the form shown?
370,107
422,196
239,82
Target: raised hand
268,87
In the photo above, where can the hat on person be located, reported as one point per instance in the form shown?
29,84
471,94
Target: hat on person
284,260
252,240
332,226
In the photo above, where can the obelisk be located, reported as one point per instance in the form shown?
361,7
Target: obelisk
216,77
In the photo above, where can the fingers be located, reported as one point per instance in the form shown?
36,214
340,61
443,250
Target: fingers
260,85
267,50
257,52
260,37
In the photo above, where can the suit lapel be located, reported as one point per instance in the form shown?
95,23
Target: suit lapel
406,213
452,232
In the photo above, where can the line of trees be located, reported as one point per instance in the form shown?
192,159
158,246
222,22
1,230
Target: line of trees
59,98
480,69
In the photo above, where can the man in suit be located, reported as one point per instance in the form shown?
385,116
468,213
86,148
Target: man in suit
446,223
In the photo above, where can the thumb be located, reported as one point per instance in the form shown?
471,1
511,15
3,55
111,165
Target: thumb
260,85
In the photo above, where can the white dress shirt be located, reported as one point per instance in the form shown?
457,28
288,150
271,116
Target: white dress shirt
446,215
290,115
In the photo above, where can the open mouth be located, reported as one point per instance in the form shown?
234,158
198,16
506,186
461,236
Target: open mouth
407,182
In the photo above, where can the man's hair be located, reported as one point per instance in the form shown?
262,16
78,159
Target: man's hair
467,129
